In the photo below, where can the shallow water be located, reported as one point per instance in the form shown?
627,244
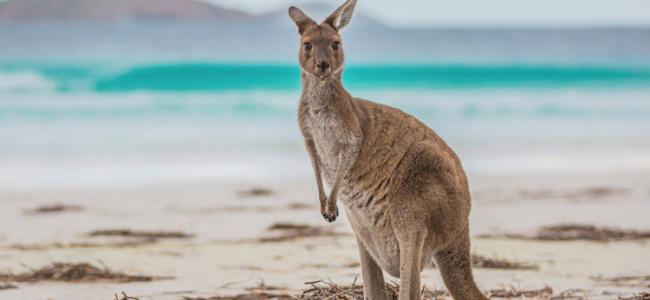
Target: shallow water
88,123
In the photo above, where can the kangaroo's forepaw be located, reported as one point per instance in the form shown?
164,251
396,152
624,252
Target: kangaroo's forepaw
330,213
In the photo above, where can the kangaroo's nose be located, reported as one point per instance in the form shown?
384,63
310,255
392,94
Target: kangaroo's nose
323,66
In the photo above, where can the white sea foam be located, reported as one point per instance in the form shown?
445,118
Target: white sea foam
25,81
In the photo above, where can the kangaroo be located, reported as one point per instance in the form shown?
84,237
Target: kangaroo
403,188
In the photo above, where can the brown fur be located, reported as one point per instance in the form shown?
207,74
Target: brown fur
404,190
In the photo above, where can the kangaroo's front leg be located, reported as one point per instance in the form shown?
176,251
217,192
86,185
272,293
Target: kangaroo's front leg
313,156
348,156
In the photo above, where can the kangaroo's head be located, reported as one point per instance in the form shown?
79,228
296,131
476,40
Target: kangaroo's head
321,47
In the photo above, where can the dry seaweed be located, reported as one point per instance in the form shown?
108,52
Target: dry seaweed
512,292
300,206
41,247
150,235
289,231
590,193
252,296
124,296
319,290
572,294
499,263
256,192
588,232
263,287
642,281
573,232
288,226
483,262
7,286
54,208
325,290
641,296
80,272
260,292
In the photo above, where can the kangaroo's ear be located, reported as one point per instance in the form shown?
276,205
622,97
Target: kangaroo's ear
342,16
300,18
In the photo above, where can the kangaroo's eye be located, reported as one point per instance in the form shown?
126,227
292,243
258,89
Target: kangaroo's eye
307,46
336,46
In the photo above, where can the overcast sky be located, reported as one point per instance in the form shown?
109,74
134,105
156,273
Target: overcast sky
484,12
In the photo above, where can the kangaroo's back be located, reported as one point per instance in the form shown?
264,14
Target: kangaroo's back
389,133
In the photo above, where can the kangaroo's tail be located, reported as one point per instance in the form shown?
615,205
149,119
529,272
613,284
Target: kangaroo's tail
455,264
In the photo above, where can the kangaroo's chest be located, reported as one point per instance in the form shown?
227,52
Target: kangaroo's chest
329,136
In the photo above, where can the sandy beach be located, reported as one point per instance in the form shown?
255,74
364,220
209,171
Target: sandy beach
224,246
150,150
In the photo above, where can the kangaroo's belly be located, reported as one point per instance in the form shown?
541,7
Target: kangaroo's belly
381,243
368,215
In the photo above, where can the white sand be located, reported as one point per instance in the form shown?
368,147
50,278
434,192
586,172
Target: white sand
223,258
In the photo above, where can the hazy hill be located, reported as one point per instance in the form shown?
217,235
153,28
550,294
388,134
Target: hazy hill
190,29
48,10
319,11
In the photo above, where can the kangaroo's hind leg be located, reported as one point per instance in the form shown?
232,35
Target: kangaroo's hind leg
410,267
411,234
374,287
455,264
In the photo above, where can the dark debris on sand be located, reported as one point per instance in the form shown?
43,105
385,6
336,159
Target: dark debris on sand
289,226
256,192
54,208
639,281
588,232
148,235
572,294
41,247
319,290
590,193
498,263
324,290
641,296
484,262
289,231
124,296
573,232
80,272
7,286
261,292
252,296
512,292
300,206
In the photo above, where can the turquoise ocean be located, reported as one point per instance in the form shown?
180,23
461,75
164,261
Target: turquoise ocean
85,122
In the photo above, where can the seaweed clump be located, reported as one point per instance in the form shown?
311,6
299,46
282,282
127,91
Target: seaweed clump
80,272
289,231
